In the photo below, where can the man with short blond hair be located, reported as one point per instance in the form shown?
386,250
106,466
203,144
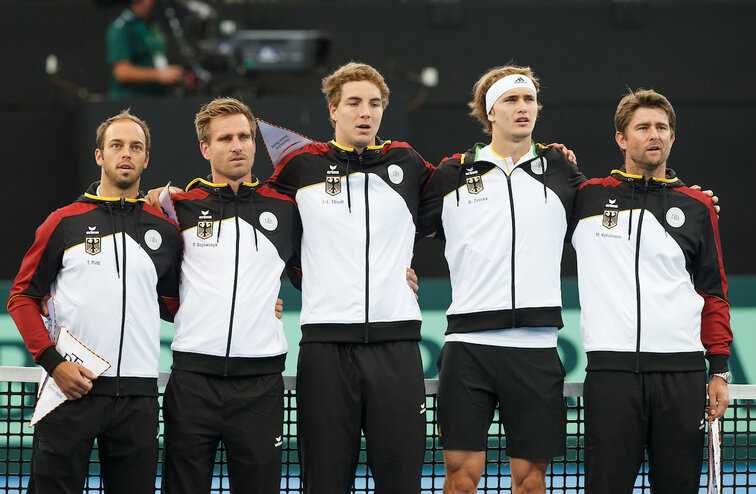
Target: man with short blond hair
110,262
352,72
359,363
221,107
229,349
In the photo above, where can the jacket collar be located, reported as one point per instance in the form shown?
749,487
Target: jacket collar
471,155
91,196
671,180
368,156
224,190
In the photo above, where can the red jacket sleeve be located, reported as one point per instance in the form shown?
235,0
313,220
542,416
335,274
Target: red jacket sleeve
711,284
39,269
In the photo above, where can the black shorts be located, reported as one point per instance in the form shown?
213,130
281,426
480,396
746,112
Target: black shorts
527,384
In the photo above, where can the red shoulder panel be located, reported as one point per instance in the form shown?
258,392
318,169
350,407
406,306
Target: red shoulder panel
318,148
268,192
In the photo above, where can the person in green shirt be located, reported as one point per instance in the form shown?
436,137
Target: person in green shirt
137,55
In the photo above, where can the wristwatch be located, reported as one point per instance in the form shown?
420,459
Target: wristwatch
727,376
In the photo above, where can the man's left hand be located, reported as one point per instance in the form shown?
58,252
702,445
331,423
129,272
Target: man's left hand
279,308
719,397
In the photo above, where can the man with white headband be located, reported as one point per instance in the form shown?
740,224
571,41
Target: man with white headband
502,209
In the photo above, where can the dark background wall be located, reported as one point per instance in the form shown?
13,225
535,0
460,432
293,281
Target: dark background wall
700,55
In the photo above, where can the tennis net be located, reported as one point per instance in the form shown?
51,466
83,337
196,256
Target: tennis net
18,387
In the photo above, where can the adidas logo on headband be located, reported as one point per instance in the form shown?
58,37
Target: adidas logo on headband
505,84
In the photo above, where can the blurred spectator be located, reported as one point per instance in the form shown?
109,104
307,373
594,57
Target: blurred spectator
137,56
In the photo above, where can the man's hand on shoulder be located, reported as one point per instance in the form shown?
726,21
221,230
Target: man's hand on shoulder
567,152
710,193
153,196
73,379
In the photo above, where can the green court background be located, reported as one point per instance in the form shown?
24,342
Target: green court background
434,298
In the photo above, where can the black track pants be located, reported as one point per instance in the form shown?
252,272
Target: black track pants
626,413
126,430
246,413
343,388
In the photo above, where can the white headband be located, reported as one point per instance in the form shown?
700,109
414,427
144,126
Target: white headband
505,84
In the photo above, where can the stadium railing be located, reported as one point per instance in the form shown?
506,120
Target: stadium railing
18,387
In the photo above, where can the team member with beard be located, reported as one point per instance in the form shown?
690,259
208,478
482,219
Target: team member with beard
110,262
653,299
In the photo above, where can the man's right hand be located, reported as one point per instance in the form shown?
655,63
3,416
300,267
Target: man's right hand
73,379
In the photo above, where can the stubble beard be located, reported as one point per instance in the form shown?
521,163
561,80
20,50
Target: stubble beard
651,166
123,183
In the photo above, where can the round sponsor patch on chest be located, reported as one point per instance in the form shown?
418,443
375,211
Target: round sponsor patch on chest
268,221
395,173
152,239
538,166
675,217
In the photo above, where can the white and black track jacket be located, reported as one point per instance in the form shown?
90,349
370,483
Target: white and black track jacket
109,289
236,245
358,214
653,292
504,232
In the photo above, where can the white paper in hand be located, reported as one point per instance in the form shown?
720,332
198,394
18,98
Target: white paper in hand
50,396
280,141
166,204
